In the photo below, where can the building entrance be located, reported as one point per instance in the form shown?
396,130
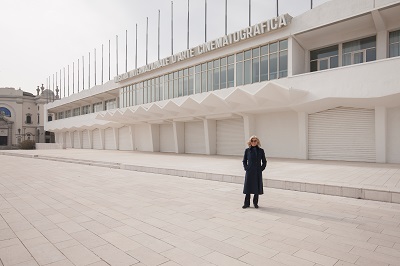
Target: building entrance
3,140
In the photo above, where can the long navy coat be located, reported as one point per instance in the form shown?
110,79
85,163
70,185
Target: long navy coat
254,162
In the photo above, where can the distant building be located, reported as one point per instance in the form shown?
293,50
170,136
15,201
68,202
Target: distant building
322,85
22,117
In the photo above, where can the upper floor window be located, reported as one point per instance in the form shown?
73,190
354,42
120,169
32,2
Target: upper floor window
86,109
359,51
28,119
76,111
394,43
68,113
324,58
110,104
5,112
60,115
49,118
97,107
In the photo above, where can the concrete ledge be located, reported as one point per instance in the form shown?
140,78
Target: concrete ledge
48,146
333,189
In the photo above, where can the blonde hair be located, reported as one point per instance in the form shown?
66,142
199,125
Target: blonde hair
254,137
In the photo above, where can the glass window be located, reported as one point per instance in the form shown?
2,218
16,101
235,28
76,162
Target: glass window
204,81
324,58
256,52
239,73
231,75
180,91
247,72
264,50
273,47
223,61
283,45
247,54
210,80
264,68
28,119
273,66
216,79
223,77
283,59
191,85
355,52
231,59
256,69
239,57
198,83
394,43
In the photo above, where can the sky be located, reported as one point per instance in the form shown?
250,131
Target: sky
42,37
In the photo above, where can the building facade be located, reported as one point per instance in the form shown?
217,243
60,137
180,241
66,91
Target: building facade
322,85
22,117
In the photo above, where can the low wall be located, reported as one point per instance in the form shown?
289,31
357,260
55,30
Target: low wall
48,146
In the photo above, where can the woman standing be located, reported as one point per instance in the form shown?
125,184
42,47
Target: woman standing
254,162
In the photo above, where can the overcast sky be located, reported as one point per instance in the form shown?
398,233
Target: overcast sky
42,37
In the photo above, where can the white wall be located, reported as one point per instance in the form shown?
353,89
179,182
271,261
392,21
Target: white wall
278,133
393,135
142,138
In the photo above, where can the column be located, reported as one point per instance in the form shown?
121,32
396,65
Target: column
210,133
303,135
249,123
155,137
179,136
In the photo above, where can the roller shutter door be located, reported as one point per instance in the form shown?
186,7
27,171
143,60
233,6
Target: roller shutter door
109,139
343,133
230,137
96,140
69,138
76,140
167,142
194,138
85,140
125,140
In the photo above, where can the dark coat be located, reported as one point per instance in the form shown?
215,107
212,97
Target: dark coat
254,162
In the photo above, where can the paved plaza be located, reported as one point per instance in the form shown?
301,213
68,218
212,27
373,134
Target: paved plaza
63,213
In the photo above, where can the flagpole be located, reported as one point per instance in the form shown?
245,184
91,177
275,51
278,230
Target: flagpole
159,34
89,73
102,64
172,27
226,17
64,82
188,26
249,13
277,8
83,72
56,81
68,80
136,49
205,20
147,38
78,75
109,60
126,50
73,77
311,4
95,68
116,51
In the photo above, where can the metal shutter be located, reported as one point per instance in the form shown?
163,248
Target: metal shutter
76,140
85,139
194,138
109,143
230,137
167,142
96,140
343,133
69,137
125,139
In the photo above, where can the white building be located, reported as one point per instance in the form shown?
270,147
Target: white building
322,85
22,116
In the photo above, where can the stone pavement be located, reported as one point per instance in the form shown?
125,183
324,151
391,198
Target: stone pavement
58,213
372,181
